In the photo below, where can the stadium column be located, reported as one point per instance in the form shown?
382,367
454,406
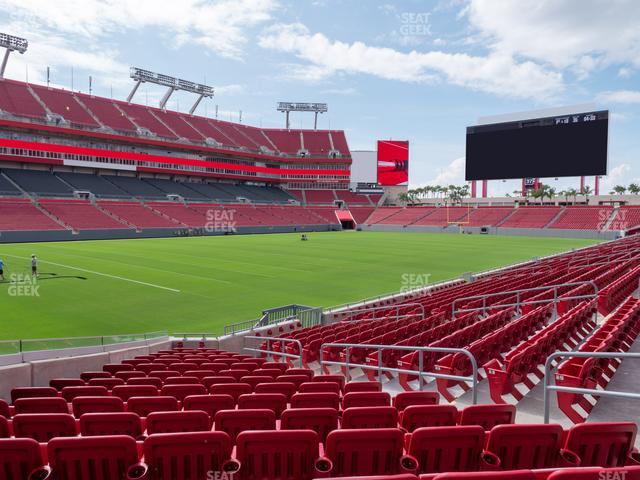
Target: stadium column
596,187
484,188
524,189
473,189
582,184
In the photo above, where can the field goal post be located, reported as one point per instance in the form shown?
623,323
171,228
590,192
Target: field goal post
453,219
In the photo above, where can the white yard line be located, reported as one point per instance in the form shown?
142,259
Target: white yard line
100,273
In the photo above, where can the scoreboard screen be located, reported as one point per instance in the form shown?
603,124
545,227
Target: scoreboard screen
563,146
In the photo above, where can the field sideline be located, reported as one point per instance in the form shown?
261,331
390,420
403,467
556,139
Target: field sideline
200,284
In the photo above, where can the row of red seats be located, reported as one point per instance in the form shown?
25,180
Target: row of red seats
611,296
527,357
384,451
616,334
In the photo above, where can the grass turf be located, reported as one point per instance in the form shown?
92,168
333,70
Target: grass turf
200,284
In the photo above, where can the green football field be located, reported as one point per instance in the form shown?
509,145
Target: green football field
199,284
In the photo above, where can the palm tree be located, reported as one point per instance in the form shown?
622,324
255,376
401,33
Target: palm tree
586,191
620,189
565,194
572,192
634,188
404,197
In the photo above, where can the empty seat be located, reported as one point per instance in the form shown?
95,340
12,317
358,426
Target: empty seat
86,376
108,383
254,380
370,417
217,380
44,426
275,402
450,449
170,422
153,381
182,391
367,452
112,368
300,371
232,389
339,379
31,392
287,389
18,458
315,400
278,455
404,399
4,409
209,403
188,456
120,423
594,473
69,393
82,405
125,392
181,380
60,383
603,444
295,379
488,416
366,399
97,458
41,405
529,446
320,420
362,387
317,387
418,416
130,374
235,421
510,475
143,406
4,428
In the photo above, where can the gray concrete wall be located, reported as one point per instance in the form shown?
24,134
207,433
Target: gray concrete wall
13,376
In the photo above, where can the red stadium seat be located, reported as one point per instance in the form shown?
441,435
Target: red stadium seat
295,379
193,455
530,446
261,455
82,405
86,376
370,417
488,416
510,475
232,389
41,405
31,392
276,402
18,458
316,387
60,383
217,380
300,371
4,428
109,383
4,409
182,391
362,387
143,406
113,368
450,449
209,403
95,458
339,379
596,473
173,422
181,381
235,421
367,452
120,423
128,375
153,381
254,380
365,399
69,393
604,444
320,420
125,392
285,388
418,416
316,400
44,426
405,399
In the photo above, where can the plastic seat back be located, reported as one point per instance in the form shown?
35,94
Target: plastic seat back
526,446
209,403
510,475
596,473
404,399
320,420
488,416
69,393
60,383
232,389
119,423
182,391
339,379
365,452
366,399
370,417
82,405
31,392
173,422
276,402
418,416
143,406
278,455
317,387
362,387
315,400
18,457
602,444
447,449
186,456
44,426
288,389
95,458
41,405
235,421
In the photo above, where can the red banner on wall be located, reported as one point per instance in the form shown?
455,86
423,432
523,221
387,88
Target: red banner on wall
393,162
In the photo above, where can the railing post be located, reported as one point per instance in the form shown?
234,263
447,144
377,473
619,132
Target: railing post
346,366
380,365
420,367
547,382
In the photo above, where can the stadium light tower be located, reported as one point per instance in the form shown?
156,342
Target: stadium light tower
11,43
316,108
172,83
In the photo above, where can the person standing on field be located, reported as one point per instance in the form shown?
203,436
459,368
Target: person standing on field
34,266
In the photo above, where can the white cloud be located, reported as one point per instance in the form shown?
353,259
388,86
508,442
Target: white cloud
579,34
495,73
620,96
452,174
617,175
347,91
220,26
232,89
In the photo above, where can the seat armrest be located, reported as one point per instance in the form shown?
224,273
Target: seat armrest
323,467
633,458
42,473
568,459
408,464
231,466
489,461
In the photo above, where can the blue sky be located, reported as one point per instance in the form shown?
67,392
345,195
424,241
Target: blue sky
416,70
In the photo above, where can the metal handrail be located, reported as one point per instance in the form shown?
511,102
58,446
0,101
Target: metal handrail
421,349
275,352
548,387
388,307
555,287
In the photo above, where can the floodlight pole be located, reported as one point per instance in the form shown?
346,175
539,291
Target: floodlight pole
196,103
165,99
4,62
315,121
286,121
133,91
11,43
